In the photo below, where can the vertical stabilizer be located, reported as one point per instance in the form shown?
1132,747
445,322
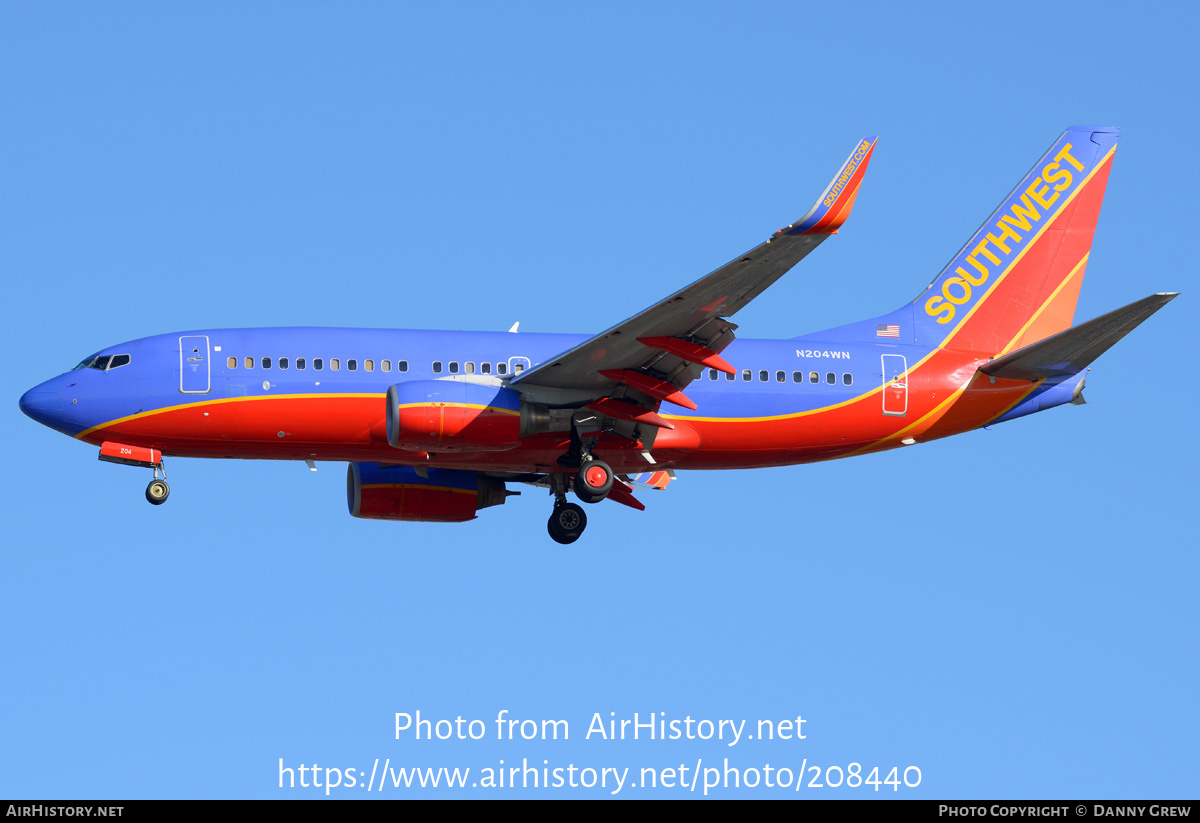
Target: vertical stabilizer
1017,279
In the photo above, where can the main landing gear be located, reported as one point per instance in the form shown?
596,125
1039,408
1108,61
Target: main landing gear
567,522
593,481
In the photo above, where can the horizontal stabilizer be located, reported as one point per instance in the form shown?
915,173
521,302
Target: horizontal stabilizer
1071,351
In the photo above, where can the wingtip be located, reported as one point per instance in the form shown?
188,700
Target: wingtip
836,202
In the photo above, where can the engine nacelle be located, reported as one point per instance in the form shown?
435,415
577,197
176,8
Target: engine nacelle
381,492
450,415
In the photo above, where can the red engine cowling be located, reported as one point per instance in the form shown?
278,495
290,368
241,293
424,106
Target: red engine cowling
449,416
382,492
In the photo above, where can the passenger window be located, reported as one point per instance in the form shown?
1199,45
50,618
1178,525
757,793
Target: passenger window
469,367
780,377
712,374
830,378
454,367
813,377
402,365
386,365
318,363
334,364
485,368
118,361
730,376
352,365
283,362
266,362
231,363
300,363
518,368
762,376
746,374
848,379
369,365
501,368
797,377
249,362
437,366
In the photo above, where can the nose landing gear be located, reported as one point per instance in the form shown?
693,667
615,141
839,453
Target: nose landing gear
157,492
143,457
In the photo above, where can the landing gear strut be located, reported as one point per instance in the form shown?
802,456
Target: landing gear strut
593,479
158,490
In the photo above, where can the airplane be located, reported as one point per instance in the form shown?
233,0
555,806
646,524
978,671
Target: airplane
435,425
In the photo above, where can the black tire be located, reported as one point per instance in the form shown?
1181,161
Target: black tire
157,492
566,523
593,481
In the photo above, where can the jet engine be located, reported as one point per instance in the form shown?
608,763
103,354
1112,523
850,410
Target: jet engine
449,415
381,492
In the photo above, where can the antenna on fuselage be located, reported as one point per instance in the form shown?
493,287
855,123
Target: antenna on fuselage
513,330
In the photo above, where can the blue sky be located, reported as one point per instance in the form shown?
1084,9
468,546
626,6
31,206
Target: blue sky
1011,611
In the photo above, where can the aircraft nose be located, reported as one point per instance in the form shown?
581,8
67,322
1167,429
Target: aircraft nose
44,402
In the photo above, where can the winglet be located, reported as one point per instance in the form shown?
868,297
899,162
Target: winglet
831,211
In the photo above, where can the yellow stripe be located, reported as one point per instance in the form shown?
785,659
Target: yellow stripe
787,416
937,410
218,400
1018,401
1045,305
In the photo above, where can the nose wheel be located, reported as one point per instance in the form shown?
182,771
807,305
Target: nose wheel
157,492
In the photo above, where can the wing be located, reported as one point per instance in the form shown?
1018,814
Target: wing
651,356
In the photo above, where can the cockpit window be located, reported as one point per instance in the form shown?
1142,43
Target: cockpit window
103,362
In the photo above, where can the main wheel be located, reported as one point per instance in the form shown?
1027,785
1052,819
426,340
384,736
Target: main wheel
566,523
157,492
593,481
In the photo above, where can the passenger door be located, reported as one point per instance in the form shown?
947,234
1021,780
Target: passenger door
194,364
895,385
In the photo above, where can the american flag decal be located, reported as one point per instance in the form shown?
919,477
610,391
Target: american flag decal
887,331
